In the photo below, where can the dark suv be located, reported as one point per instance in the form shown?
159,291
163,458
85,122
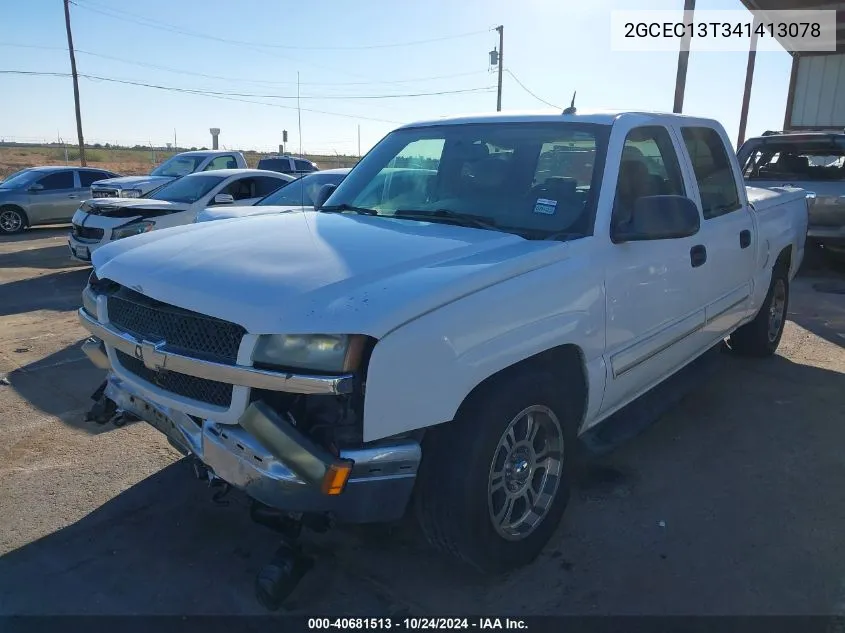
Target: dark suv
287,165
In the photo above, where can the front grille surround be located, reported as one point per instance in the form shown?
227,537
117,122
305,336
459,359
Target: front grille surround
185,332
211,392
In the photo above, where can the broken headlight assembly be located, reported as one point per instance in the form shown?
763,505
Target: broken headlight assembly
128,230
329,353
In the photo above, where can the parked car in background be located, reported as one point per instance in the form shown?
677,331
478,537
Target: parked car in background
438,338
299,195
174,167
44,195
814,161
98,222
287,164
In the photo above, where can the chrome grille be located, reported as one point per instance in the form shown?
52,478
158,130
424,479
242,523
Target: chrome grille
201,389
104,193
185,332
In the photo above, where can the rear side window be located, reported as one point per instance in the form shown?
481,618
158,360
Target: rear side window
275,164
264,185
58,180
87,178
713,173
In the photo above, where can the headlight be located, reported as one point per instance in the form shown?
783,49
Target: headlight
333,353
135,228
130,193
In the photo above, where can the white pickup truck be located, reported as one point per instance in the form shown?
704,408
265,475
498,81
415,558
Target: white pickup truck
448,335
171,169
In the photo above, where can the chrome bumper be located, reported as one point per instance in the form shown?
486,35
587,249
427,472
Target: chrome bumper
156,357
281,475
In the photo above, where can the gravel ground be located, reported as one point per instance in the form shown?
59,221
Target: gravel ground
731,503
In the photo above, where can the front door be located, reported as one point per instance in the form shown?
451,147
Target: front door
654,309
55,197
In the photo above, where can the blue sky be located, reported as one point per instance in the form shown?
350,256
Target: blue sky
553,47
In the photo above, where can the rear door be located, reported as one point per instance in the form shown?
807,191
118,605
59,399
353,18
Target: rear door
57,198
728,232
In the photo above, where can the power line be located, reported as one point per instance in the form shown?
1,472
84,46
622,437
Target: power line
248,94
522,85
118,14
242,79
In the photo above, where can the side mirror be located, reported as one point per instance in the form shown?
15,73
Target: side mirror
322,195
36,187
223,198
658,218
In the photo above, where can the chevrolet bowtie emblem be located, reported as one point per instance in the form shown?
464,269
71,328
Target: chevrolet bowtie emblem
151,354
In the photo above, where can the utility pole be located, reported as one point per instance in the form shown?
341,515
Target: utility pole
298,113
501,30
75,85
683,60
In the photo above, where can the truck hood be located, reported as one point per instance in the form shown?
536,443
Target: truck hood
144,183
317,272
225,213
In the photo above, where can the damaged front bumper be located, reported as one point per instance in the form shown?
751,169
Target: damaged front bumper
285,469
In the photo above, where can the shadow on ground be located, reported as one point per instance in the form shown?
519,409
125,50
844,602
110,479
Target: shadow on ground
731,504
53,257
60,291
61,385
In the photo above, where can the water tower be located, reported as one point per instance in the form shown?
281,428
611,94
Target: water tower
215,132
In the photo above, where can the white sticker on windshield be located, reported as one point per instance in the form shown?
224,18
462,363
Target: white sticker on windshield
545,206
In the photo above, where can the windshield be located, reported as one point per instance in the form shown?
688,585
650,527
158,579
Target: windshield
188,189
795,161
301,192
19,179
178,166
535,179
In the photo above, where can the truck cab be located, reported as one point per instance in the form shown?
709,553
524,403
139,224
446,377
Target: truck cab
171,169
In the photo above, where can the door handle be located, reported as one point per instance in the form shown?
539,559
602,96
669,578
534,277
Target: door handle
697,255
73,196
744,238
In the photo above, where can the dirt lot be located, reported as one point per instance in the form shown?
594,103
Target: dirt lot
733,503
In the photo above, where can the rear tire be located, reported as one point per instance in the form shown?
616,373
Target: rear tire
12,220
477,471
761,337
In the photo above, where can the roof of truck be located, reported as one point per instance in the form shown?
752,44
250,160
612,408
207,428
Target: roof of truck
600,117
209,152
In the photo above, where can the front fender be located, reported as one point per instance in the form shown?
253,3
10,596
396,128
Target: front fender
420,373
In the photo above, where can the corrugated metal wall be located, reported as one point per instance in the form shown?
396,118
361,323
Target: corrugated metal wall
819,98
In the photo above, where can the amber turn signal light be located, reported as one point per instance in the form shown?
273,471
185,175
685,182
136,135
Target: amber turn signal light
336,476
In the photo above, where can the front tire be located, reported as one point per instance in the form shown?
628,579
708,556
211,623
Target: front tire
761,337
494,483
12,220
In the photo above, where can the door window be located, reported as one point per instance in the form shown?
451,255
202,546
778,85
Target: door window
87,178
57,180
302,165
649,167
265,185
242,189
713,172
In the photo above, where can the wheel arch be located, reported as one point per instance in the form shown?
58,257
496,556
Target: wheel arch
566,362
19,209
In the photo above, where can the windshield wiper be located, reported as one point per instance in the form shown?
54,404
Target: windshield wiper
465,219
347,207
